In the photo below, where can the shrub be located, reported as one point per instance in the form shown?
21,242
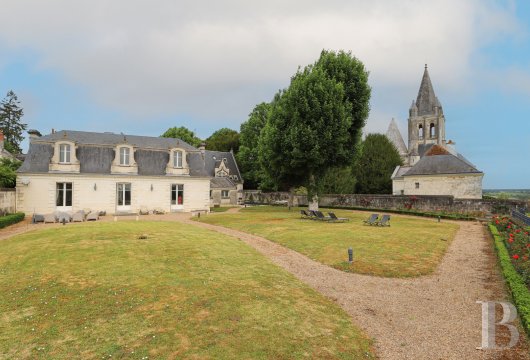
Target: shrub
11,219
516,283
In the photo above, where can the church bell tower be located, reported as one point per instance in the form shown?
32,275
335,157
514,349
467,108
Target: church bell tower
426,120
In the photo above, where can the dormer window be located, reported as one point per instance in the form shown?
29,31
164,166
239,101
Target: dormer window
177,158
64,153
125,156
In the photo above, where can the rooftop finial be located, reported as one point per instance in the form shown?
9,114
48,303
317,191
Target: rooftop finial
425,66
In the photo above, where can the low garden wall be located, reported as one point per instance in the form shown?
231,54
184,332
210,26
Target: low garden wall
392,202
7,201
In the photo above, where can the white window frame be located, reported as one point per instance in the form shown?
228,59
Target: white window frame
177,158
177,191
121,189
61,190
65,153
125,154
223,192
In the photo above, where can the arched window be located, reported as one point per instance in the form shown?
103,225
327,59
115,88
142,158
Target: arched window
420,132
433,131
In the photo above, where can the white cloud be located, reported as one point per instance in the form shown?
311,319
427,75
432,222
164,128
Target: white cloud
217,59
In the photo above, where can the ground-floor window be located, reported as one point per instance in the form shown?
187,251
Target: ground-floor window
225,194
64,194
124,194
177,194
417,185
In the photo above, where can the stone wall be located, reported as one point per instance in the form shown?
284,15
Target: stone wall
392,202
7,201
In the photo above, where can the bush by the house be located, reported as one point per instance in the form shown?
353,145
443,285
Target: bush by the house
11,219
513,257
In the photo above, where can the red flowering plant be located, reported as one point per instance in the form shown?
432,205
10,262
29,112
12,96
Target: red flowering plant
517,242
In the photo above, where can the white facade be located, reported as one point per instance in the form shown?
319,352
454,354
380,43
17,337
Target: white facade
461,186
38,193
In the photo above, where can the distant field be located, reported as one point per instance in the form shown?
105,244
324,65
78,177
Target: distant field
515,194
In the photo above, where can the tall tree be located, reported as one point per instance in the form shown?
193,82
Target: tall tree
378,160
313,126
223,140
8,175
351,73
248,155
183,134
10,122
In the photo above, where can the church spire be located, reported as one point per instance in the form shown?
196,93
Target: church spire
426,101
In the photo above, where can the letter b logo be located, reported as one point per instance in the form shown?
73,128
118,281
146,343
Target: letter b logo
488,324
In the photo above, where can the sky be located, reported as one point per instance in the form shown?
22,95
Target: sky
140,67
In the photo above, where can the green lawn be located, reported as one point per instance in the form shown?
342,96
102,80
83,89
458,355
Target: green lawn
409,247
97,291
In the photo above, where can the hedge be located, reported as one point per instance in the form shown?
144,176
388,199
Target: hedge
516,284
11,219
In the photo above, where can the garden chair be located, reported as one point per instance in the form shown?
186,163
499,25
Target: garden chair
334,217
63,217
49,218
79,216
385,221
93,216
372,220
37,218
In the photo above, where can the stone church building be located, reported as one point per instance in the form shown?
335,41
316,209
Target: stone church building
431,165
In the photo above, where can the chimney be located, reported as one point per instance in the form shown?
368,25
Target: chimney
34,134
202,148
1,140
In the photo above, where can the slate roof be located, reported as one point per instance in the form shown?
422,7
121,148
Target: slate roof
221,183
426,100
111,139
394,135
214,158
400,171
441,164
95,153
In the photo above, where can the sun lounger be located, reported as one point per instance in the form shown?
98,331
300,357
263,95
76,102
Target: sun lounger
321,216
372,220
306,215
385,221
334,217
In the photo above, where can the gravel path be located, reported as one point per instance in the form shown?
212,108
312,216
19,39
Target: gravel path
431,317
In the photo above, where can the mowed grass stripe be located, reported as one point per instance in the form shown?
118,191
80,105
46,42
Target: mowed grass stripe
97,291
409,247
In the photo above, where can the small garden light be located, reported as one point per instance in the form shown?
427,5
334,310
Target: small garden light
350,255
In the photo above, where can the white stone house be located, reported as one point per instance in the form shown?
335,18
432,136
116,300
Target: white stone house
226,185
432,166
77,170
